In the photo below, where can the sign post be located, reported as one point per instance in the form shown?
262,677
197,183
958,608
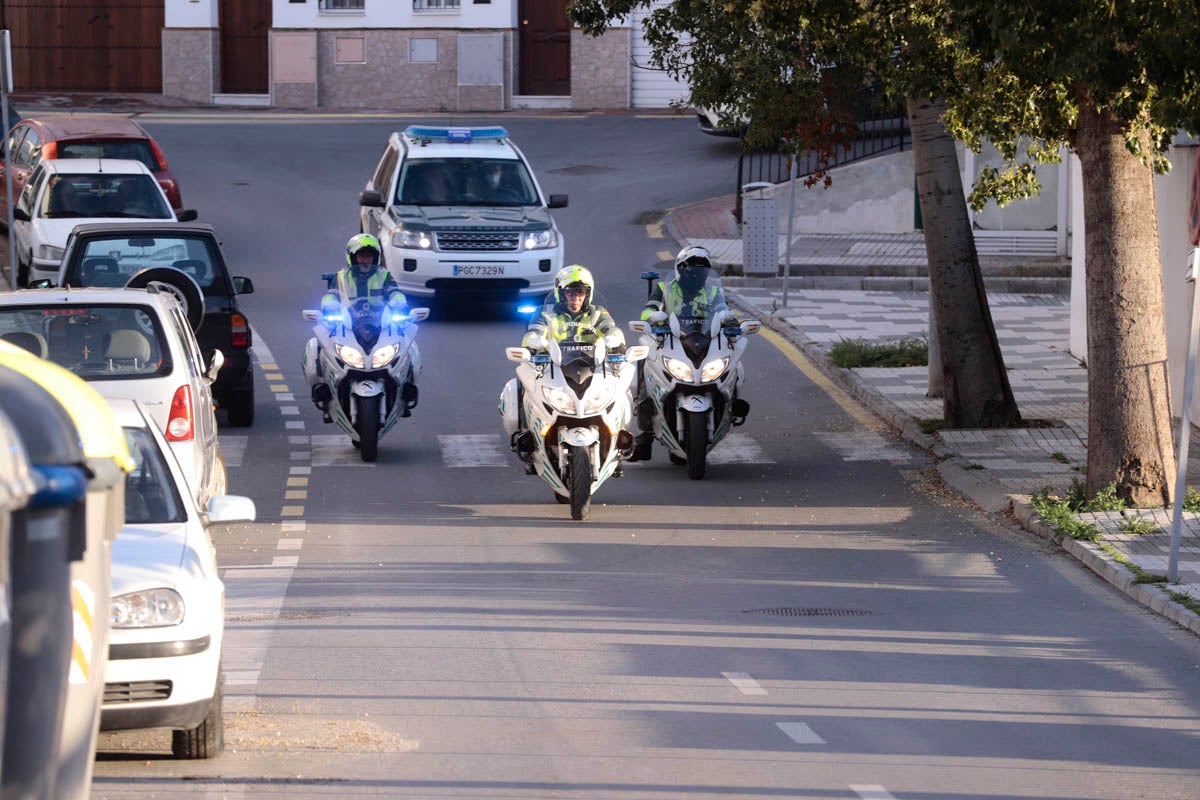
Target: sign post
6,87
1189,376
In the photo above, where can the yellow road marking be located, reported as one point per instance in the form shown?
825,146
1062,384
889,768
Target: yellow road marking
654,231
835,392
278,387
273,376
665,255
292,511
297,481
271,367
296,494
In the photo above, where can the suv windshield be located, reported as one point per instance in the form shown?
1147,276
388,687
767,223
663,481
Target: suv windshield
465,182
112,261
96,342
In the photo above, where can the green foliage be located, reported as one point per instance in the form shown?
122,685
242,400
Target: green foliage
1059,516
931,425
906,352
1191,500
1138,526
1060,457
1185,600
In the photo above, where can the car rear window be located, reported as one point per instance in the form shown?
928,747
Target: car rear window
112,261
151,496
103,195
96,342
133,149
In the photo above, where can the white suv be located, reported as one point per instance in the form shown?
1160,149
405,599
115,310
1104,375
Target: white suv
457,210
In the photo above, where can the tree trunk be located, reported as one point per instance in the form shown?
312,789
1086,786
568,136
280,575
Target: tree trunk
976,392
1129,411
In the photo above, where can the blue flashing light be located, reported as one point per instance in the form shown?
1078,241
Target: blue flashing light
333,318
399,318
455,135
527,308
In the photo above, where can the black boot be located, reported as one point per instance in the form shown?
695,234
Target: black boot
643,446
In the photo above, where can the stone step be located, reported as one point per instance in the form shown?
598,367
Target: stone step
857,283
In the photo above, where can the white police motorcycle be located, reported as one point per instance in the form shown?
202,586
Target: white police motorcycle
692,375
577,404
362,364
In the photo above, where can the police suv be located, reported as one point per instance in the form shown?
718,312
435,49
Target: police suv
458,211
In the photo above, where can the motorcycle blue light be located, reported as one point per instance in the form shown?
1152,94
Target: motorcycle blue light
528,308
398,318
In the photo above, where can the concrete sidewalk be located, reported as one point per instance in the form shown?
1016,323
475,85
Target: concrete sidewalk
997,469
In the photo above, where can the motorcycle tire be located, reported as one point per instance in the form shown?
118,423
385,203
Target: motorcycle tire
579,482
695,442
366,422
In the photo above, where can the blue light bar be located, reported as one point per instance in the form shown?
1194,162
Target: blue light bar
455,135
528,308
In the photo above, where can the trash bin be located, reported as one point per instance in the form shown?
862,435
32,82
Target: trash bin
16,485
760,230
95,519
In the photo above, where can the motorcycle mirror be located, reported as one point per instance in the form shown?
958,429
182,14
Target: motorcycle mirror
750,326
639,326
517,354
311,314
637,352
418,314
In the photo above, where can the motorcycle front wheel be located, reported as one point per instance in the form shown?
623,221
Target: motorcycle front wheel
579,482
695,443
366,422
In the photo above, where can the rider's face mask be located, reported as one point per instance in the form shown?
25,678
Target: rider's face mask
692,277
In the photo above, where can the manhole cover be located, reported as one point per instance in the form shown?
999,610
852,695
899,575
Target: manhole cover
809,612
582,169
649,217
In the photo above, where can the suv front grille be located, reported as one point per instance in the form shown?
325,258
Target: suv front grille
139,692
478,241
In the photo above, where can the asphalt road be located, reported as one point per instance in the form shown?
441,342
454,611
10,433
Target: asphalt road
815,619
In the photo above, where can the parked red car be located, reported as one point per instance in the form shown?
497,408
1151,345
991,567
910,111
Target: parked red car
85,136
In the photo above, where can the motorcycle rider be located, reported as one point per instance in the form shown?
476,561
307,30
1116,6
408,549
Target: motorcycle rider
688,293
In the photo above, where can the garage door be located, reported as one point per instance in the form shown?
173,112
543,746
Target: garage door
73,46
652,88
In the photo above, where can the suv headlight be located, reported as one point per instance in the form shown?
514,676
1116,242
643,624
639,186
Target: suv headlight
351,355
681,370
49,251
152,608
403,237
540,240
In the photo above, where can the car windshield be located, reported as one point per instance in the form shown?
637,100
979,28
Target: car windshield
103,195
465,182
151,496
96,342
112,260
132,149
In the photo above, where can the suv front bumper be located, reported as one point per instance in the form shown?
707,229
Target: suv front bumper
423,273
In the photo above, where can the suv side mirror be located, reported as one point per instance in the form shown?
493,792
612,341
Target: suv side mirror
370,198
186,215
557,201
242,285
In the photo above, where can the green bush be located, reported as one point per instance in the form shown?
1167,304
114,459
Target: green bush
907,352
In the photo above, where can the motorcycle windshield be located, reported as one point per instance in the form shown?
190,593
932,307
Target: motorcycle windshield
578,364
693,305
366,321
574,329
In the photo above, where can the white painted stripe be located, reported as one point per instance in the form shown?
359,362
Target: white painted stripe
334,450
872,792
256,592
473,450
285,561
298,439
300,471
241,677
865,446
233,448
738,448
292,527
294,425
261,352
744,683
290,544
290,411
285,397
800,733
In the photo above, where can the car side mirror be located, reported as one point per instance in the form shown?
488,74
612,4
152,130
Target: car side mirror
186,215
370,198
41,283
21,215
242,285
215,362
557,201
230,508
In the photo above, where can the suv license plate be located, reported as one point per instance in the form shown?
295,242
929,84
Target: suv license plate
478,270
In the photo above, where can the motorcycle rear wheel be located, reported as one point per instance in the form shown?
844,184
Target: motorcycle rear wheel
579,482
695,442
366,422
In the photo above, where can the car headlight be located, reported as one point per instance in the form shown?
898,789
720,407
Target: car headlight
540,240
403,237
351,355
597,403
152,608
49,251
559,399
680,369
713,369
384,355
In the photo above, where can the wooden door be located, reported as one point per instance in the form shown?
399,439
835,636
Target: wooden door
245,25
545,48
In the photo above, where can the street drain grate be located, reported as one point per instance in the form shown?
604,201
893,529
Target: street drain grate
809,612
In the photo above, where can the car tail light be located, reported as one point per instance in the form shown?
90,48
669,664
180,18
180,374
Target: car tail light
240,330
179,423
49,151
158,155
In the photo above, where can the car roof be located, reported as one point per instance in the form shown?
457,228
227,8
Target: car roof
57,295
80,126
79,166
439,148
150,226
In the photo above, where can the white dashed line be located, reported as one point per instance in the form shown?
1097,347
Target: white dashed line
233,448
744,683
800,733
292,527
290,544
285,397
285,561
739,448
300,471
290,411
872,792
261,351
473,450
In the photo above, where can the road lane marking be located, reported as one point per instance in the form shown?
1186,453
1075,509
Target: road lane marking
744,683
872,792
297,481
296,494
835,392
293,527
473,450
285,397
289,544
278,388
665,255
739,448
290,411
233,448
865,446
300,471
292,511
800,733
654,231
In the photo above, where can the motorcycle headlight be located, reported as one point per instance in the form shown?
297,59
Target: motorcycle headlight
384,355
559,399
680,369
597,403
403,237
351,355
152,608
713,369
540,240
49,251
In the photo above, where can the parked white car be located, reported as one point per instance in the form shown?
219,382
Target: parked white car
131,343
63,193
168,601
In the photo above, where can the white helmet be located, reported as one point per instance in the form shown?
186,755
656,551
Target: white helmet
692,265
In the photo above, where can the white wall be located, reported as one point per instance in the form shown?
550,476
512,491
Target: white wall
395,14
191,13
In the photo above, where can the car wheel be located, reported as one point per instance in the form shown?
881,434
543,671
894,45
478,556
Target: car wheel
206,740
241,407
